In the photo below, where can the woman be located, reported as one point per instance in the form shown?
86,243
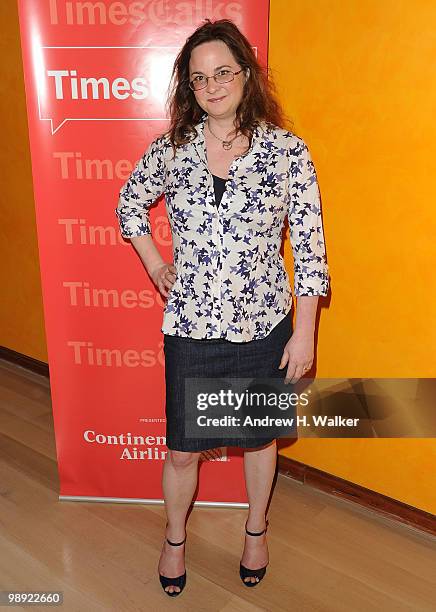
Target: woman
231,174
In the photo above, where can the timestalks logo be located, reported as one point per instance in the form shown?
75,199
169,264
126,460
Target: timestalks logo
155,12
103,83
68,84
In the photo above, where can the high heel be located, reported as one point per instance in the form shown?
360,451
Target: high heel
246,572
179,581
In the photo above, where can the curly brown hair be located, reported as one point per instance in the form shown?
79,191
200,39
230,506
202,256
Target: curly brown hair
259,101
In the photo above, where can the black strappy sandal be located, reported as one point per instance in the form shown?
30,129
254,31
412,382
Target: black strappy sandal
179,581
246,572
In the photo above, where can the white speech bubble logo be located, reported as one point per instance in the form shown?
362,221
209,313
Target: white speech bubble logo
61,80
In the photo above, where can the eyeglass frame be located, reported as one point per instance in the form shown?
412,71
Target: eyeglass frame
214,77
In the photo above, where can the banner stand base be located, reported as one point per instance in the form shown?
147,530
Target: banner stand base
140,500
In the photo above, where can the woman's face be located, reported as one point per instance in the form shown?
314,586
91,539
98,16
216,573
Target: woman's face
218,100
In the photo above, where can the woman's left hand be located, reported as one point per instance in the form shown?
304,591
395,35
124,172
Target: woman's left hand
298,354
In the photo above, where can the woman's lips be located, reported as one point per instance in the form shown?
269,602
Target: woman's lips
217,99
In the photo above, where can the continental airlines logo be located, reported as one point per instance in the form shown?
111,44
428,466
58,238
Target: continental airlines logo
133,447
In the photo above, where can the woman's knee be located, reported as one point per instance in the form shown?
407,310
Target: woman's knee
254,449
180,459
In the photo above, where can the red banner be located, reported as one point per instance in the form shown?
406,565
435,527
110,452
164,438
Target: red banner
96,76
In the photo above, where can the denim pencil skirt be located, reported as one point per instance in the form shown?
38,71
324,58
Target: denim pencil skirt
213,358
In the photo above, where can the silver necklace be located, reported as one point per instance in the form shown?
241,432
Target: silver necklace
227,144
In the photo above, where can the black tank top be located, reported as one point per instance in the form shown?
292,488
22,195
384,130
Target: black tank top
219,185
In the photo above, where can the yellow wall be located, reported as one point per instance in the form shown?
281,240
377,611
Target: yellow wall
356,79
21,314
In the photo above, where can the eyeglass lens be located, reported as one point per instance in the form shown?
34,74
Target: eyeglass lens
221,77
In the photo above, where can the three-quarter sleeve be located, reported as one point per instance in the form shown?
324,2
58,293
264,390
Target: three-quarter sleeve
141,190
311,272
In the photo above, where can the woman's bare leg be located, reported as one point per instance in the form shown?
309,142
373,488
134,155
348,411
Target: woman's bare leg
259,470
179,480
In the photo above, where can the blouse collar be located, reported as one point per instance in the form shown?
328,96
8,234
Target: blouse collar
199,140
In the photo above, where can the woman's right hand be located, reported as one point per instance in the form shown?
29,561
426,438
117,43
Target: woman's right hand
164,277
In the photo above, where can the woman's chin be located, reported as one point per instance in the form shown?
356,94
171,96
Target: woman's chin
216,110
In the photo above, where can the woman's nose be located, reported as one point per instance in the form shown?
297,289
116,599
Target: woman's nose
211,85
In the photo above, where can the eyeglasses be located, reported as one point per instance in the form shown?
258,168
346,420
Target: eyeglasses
223,76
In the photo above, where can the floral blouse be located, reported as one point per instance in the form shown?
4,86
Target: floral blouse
231,281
